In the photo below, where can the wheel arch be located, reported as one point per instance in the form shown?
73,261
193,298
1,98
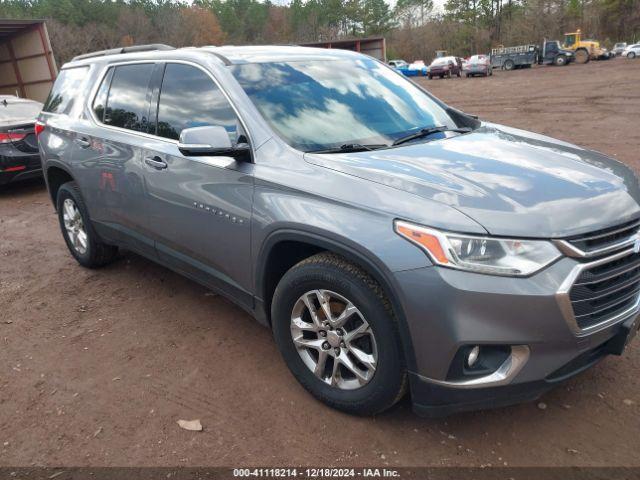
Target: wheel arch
55,175
267,277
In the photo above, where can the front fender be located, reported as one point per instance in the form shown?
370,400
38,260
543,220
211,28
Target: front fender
344,247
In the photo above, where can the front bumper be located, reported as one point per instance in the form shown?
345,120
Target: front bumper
447,310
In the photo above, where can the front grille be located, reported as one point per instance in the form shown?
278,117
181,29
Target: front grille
605,238
603,291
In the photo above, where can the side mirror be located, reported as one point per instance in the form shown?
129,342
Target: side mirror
210,140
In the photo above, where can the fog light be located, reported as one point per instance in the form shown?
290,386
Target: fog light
472,358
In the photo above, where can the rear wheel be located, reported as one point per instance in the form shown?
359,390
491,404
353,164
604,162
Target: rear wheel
509,65
631,55
336,331
78,233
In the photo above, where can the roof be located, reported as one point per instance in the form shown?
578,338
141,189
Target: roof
229,55
9,27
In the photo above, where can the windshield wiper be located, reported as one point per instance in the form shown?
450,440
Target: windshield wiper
351,147
425,132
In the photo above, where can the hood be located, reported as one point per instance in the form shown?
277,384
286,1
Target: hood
512,182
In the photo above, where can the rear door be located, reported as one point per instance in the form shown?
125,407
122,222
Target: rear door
108,154
198,208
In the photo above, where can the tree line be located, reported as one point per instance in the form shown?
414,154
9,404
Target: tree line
414,29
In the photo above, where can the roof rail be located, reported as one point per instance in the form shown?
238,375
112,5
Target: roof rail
117,51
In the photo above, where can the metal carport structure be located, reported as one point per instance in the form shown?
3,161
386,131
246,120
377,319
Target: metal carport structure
27,65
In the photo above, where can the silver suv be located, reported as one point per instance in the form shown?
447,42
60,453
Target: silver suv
391,242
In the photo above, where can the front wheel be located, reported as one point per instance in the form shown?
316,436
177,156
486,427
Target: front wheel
631,55
337,333
582,56
560,60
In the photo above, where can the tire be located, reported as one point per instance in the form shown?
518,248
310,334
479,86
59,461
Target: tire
560,60
631,55
93,253
468,75
459,74
582,56
336,277
508,65
430,77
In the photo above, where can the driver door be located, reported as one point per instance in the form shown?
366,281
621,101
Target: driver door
199,207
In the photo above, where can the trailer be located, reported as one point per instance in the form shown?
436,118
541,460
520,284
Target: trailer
27,65
508,58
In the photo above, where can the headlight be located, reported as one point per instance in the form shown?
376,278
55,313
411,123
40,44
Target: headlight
496,256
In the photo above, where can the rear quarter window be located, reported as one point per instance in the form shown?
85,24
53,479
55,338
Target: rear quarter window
66,90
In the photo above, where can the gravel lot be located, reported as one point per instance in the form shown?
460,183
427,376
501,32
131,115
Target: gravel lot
97,366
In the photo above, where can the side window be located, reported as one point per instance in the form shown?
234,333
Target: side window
100,102
65,90
128,101
189,98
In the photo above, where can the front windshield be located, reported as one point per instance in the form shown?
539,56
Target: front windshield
320,104
440,61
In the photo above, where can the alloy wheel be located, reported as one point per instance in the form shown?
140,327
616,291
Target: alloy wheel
74,226
333,339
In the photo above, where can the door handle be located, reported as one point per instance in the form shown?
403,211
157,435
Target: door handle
155,162
83,142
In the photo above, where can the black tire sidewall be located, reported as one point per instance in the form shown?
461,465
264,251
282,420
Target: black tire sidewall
383,388
69,190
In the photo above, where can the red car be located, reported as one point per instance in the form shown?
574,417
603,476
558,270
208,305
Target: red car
445,67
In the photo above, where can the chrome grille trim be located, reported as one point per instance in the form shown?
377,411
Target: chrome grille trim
631,226
565,304
567,246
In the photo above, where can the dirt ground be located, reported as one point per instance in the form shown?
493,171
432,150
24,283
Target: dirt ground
97,366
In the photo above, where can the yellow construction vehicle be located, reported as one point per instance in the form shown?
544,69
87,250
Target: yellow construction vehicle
585,50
